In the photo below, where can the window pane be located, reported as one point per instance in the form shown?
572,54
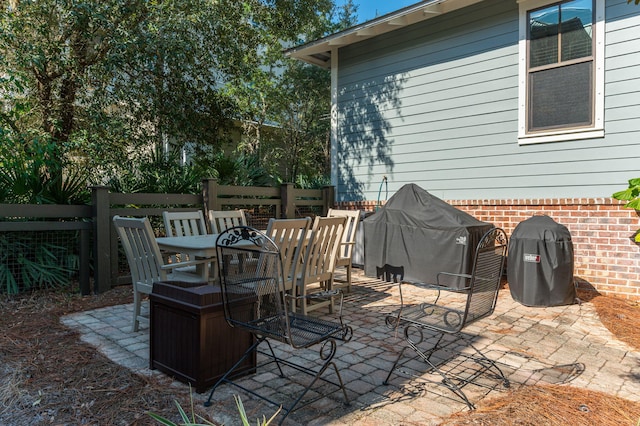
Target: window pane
577,17
543,36
561,97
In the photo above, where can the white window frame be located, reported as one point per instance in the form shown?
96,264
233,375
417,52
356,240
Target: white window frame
555,135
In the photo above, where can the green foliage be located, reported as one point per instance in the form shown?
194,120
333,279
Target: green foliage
632,195
93,88
191,421
32,172
242,170
315,182
186,420
168,75
155,172
27,263
301,143
244,418
284,103
106,78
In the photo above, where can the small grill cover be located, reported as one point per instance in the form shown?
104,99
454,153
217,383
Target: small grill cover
423,234
540,263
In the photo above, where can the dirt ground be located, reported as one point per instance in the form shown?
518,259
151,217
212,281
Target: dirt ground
49,377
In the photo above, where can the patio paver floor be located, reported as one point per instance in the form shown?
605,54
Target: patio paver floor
532,344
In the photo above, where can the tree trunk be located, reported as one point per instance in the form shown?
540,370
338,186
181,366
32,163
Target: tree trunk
68,91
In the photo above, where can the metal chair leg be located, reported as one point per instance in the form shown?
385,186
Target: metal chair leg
229,372
448,381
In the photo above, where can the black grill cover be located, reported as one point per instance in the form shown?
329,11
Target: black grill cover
423,234
540,263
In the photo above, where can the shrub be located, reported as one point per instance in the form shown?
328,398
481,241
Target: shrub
632,195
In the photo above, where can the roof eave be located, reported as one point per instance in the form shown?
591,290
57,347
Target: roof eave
318,52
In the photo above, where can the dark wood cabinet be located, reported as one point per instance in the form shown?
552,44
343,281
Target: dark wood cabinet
189,337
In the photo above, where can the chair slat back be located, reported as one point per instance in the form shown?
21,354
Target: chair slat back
350,229
289,235
486,275
321,250
184,224
141,250
223,220
253,297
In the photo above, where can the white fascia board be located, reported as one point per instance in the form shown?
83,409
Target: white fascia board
407,16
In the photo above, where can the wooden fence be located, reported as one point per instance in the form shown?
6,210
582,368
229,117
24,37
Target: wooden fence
94,222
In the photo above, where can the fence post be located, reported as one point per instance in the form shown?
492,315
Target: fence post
85,256
102,238
288,201
328,198
210,195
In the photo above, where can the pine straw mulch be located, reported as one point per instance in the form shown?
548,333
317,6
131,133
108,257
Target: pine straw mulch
620,316
567,405
551,406
48,376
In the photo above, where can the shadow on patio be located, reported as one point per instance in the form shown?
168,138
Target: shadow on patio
532,345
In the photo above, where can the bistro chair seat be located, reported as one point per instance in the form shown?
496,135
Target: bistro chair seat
272,320
440,323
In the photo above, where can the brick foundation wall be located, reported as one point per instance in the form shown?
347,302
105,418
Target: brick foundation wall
606,258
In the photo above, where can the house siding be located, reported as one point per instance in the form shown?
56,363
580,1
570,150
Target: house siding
436,104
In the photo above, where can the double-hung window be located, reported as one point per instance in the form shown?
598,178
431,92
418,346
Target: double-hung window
561,70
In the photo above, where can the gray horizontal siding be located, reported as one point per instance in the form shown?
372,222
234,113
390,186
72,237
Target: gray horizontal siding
436,104
431,42
501,154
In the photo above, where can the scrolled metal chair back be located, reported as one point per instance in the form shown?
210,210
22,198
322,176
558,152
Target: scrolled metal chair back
488,268
260,282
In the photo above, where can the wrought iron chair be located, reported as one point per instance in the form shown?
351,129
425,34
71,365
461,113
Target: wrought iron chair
345,251
449,366
146,263
221,220
271,319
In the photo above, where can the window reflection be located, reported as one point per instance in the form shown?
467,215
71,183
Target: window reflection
564,28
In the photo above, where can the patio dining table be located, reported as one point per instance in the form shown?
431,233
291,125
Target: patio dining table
203,246
196,246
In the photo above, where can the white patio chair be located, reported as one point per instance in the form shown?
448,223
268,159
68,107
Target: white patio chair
318,263
145,261
184,224
290,235
345,251
222,220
